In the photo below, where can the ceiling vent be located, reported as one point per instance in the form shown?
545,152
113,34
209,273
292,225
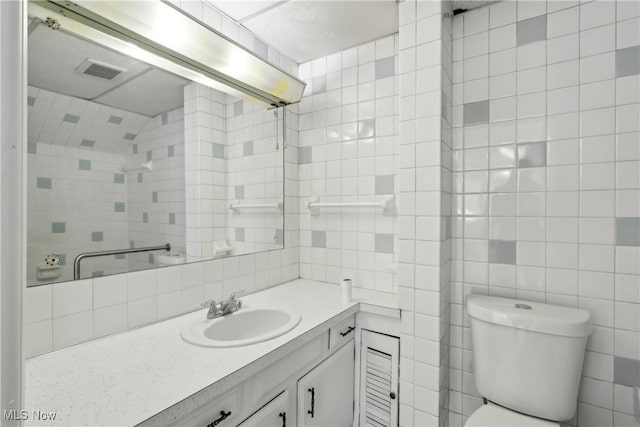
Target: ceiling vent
99,69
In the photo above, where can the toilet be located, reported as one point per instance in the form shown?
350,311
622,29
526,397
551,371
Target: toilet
527,361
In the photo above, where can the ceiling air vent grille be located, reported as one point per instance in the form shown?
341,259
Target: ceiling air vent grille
99,69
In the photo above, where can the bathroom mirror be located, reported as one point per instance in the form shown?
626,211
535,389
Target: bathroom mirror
125,156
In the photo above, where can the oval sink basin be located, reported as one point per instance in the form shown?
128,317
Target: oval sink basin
249,325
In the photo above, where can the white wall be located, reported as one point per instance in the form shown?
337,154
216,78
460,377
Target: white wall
12,254
546,160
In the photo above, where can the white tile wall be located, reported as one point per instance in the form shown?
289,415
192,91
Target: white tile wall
424,210
75,180
349,153
545,225
156,206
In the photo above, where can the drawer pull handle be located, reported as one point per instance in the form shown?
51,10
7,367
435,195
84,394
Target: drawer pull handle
312,411
283,415
348,331
223,416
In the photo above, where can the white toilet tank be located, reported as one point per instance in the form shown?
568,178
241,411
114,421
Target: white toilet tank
527,356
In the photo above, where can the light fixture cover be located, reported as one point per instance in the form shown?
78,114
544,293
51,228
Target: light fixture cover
162,30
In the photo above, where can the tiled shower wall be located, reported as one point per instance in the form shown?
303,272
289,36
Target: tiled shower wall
348,153
77,195
68,313
205,170
156,198
547,186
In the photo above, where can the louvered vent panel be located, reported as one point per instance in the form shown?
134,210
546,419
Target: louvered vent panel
378,388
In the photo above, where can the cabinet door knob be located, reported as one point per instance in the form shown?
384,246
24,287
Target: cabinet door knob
392,395
312,411
348,331
223,416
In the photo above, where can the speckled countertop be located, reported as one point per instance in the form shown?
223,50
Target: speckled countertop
151,376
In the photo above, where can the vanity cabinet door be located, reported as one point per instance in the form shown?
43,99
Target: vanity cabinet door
325,394
276,413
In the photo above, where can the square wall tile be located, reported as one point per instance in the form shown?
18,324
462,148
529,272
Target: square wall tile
58,227
305,155
502,251
626,371
239,192
318,239
218,151
384,243
532,155
319,84
476,112
384,184
531,30
247,148
384,67
628,231
628,61
44,183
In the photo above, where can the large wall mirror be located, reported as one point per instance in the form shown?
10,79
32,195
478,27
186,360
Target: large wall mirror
125,156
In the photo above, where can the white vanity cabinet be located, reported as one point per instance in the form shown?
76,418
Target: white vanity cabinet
274,397
325,394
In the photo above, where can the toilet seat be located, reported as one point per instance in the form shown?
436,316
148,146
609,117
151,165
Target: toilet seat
491,415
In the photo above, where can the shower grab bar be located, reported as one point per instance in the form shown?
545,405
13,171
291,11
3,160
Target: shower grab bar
236,205
388,205
76,261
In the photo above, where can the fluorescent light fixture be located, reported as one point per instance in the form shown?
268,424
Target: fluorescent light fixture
157,33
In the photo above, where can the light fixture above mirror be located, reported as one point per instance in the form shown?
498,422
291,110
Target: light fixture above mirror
161,35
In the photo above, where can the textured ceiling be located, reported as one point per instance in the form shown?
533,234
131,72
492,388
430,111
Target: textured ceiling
54,58
309,29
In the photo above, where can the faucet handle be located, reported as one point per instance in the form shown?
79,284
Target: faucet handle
236,294
208,303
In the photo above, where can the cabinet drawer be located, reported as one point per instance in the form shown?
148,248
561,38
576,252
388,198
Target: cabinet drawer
222,412
342,332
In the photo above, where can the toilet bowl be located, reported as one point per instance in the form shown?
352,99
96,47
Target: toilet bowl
526,360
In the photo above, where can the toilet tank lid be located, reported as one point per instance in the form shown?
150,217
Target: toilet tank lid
531,316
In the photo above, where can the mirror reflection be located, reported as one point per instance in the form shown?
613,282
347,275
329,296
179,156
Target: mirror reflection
123,155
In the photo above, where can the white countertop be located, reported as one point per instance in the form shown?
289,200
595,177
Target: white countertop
150,375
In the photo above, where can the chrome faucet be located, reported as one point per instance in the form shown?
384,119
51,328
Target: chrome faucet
218,309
